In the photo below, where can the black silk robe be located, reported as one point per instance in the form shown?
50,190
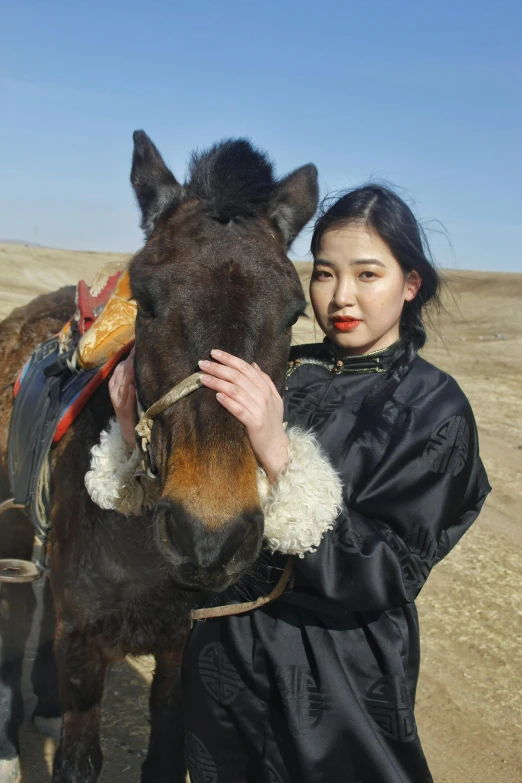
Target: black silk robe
319,686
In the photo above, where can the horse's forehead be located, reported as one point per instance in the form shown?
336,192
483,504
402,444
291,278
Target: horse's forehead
191,247
192,227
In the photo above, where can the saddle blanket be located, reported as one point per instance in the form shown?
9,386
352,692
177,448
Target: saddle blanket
62,374
50,393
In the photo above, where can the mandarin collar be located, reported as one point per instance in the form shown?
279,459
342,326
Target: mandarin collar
375,361
326,354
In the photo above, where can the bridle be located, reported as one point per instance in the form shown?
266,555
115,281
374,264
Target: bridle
144,426
144,432
25,571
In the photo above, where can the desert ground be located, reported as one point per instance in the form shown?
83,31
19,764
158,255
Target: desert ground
469,708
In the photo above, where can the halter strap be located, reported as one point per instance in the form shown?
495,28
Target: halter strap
231,609
182,389
144,431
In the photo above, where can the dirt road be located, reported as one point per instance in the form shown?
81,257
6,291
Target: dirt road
469,703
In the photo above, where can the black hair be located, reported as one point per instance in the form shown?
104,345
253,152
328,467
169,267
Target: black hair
381,210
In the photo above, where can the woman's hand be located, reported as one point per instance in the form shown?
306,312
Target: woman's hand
250,396
123,397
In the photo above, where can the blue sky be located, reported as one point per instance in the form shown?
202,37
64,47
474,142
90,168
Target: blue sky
423,95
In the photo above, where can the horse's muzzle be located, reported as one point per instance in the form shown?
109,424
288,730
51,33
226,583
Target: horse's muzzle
205,557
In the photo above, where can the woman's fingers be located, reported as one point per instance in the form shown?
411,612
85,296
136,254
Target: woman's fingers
235,370
123,397
128,369
234,392
247,384
237,378
121,384
115,381
229,359
231,369
234,407
266,379
128,398
252,371
252,390
235,364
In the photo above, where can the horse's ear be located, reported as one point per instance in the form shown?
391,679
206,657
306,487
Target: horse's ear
294,201
154,184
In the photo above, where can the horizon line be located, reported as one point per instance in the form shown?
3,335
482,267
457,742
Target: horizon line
24,243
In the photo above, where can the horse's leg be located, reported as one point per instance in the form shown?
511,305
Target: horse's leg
165,762
44,677
17,604
81,673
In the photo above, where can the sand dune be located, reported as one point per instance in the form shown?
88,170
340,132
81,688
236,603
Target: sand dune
469,710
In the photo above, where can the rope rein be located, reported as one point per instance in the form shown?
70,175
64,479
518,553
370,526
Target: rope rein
182,389
231,609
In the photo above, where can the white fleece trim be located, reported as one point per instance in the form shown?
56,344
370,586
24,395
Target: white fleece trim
299,508
304,501
110,482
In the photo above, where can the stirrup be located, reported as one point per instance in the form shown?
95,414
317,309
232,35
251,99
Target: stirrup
15,571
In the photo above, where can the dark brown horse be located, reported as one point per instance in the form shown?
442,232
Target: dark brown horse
213,274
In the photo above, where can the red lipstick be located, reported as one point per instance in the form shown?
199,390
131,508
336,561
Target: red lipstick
345,323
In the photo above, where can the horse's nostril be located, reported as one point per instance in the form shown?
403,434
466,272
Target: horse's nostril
234,540
174,534
185,540
243,542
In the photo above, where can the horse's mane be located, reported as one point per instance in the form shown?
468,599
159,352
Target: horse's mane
233,177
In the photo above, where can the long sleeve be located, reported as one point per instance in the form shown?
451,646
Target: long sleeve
302,505
406,514
111,481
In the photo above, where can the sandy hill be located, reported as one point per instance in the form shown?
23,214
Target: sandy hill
468,711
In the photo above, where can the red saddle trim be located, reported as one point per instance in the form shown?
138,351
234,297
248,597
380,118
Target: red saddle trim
85,316
88,304
18,381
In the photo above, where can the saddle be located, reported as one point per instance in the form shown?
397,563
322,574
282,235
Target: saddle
105,317
55,384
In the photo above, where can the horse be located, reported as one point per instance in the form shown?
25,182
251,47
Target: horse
213,273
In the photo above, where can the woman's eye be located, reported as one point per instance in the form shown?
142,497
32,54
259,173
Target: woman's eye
320,275
368,275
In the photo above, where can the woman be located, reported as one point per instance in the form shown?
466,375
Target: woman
320,684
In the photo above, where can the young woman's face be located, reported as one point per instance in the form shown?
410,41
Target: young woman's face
358,290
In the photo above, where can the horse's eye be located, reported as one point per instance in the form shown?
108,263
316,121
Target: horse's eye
145,309
294,319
